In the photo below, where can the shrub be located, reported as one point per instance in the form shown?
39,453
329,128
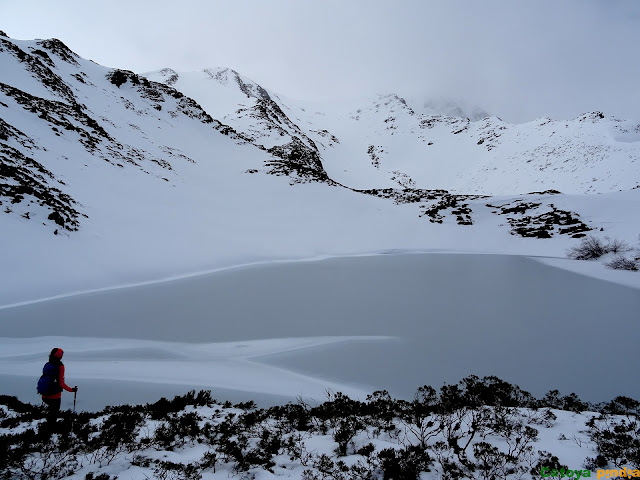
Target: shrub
492,463
118,77
616,246
165,470
120,428
451,431
102,476
404,464
590,248
548,461
117,434
292,417
163,407
622,263
177,430
621,406
345,432
492,391
571,402
617,441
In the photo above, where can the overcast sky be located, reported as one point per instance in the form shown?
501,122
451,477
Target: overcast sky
519,60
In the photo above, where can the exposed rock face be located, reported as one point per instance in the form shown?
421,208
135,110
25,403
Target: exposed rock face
59,100
26,185
298,161
23,180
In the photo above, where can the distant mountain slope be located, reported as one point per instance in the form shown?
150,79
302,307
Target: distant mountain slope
108,176
61,110
62,115
386,142
250,109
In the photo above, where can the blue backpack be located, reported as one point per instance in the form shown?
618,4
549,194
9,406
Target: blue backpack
49,381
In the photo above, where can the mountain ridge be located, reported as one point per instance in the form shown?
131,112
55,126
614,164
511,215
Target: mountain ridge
102,156
610,149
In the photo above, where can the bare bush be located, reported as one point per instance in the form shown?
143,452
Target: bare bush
590,248
616,246
622,263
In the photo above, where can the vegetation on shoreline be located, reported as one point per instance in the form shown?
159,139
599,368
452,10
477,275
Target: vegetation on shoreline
480,428
592,248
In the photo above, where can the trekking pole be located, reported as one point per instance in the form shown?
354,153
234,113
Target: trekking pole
73,416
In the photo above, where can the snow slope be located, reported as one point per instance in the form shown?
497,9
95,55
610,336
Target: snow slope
111,178
387,142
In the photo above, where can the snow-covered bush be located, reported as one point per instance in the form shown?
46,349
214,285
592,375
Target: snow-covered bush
622,263
590,248
617,441
571,402
621,405
479,428
547,461
616,246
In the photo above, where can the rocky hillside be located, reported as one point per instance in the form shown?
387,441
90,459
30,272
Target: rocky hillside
60,113
390,141
121,168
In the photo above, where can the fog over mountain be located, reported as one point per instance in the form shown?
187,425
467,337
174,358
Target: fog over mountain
519,61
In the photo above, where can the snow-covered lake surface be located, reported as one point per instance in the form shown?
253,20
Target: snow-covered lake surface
356,324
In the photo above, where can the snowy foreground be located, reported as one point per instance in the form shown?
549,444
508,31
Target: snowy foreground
478,429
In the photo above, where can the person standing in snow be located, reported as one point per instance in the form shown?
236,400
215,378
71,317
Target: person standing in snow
53,373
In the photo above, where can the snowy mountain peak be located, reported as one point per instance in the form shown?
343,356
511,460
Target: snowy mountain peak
453,108
58,48
168,76
226,76
396,102
590,116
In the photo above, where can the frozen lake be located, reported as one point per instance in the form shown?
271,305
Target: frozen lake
410,320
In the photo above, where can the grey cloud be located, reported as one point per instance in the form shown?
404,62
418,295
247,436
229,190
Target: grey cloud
519,60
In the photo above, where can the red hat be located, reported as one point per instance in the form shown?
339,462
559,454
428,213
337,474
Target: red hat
57,353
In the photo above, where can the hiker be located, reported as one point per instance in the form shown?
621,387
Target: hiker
50,386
